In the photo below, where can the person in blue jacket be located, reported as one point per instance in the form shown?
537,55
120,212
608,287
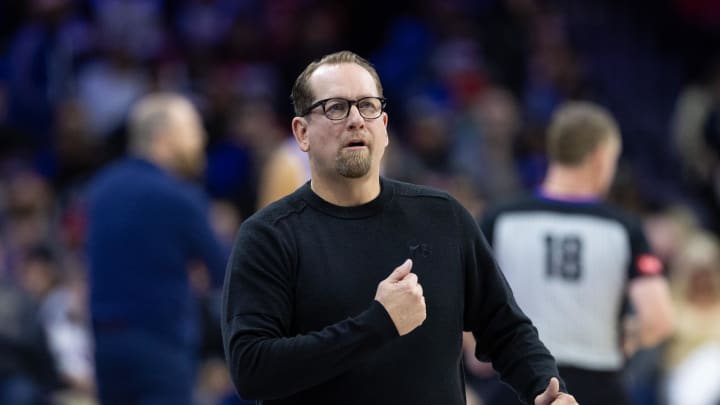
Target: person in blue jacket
147,227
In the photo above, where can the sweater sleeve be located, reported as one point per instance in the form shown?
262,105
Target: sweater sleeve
265,359
503,333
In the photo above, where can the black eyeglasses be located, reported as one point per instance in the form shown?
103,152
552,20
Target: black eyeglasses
339,108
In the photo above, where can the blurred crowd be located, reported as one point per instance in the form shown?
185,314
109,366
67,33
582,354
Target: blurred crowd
471,86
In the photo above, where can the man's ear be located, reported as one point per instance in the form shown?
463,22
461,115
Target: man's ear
596,156
385,122
601,154
300,131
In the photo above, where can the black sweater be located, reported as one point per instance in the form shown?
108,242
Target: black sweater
300,324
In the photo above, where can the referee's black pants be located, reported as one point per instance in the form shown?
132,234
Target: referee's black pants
590,387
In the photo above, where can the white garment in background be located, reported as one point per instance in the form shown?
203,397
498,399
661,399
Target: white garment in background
696,380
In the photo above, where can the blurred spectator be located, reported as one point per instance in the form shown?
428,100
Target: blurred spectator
63,316
27,369
28,212
668,231
505,35
426,155
486,136
287,169
147,229
235,161
203,24
402,59
695,132
131,28
692,358
459,66
12,139
117,74
78,152
225,220
41,65
691,112
555,74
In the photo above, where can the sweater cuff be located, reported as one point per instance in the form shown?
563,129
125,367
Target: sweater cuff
542,387
380,323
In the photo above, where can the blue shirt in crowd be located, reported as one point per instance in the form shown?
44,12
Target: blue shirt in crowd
146,227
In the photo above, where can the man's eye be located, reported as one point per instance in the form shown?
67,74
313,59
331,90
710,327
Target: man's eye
335,107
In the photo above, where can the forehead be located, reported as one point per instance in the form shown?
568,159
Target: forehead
346,80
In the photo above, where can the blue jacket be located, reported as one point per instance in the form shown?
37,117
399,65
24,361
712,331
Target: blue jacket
145,228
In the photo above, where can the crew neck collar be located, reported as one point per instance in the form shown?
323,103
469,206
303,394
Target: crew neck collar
567,199
370,208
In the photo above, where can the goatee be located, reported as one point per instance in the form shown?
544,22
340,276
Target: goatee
353,164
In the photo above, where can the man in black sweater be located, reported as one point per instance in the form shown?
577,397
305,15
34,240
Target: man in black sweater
323,301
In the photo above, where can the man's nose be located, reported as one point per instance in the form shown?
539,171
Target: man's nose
354,118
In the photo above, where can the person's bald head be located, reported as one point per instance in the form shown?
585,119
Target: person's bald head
166,129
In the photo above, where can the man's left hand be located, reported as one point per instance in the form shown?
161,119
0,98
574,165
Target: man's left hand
553,396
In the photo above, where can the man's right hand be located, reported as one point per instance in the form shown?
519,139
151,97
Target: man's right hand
402,296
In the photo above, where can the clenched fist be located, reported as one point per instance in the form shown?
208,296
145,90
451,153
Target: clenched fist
402,297
553,396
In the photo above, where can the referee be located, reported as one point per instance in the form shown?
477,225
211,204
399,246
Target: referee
571,259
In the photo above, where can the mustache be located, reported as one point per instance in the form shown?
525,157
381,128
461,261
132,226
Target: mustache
356,139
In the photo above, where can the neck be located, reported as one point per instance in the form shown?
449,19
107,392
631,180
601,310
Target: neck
159,159
570,181
345,192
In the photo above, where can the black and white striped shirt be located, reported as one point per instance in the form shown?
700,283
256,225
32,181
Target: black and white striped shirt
568,264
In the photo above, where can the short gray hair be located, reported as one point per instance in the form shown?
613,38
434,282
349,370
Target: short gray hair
576,130
149,117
